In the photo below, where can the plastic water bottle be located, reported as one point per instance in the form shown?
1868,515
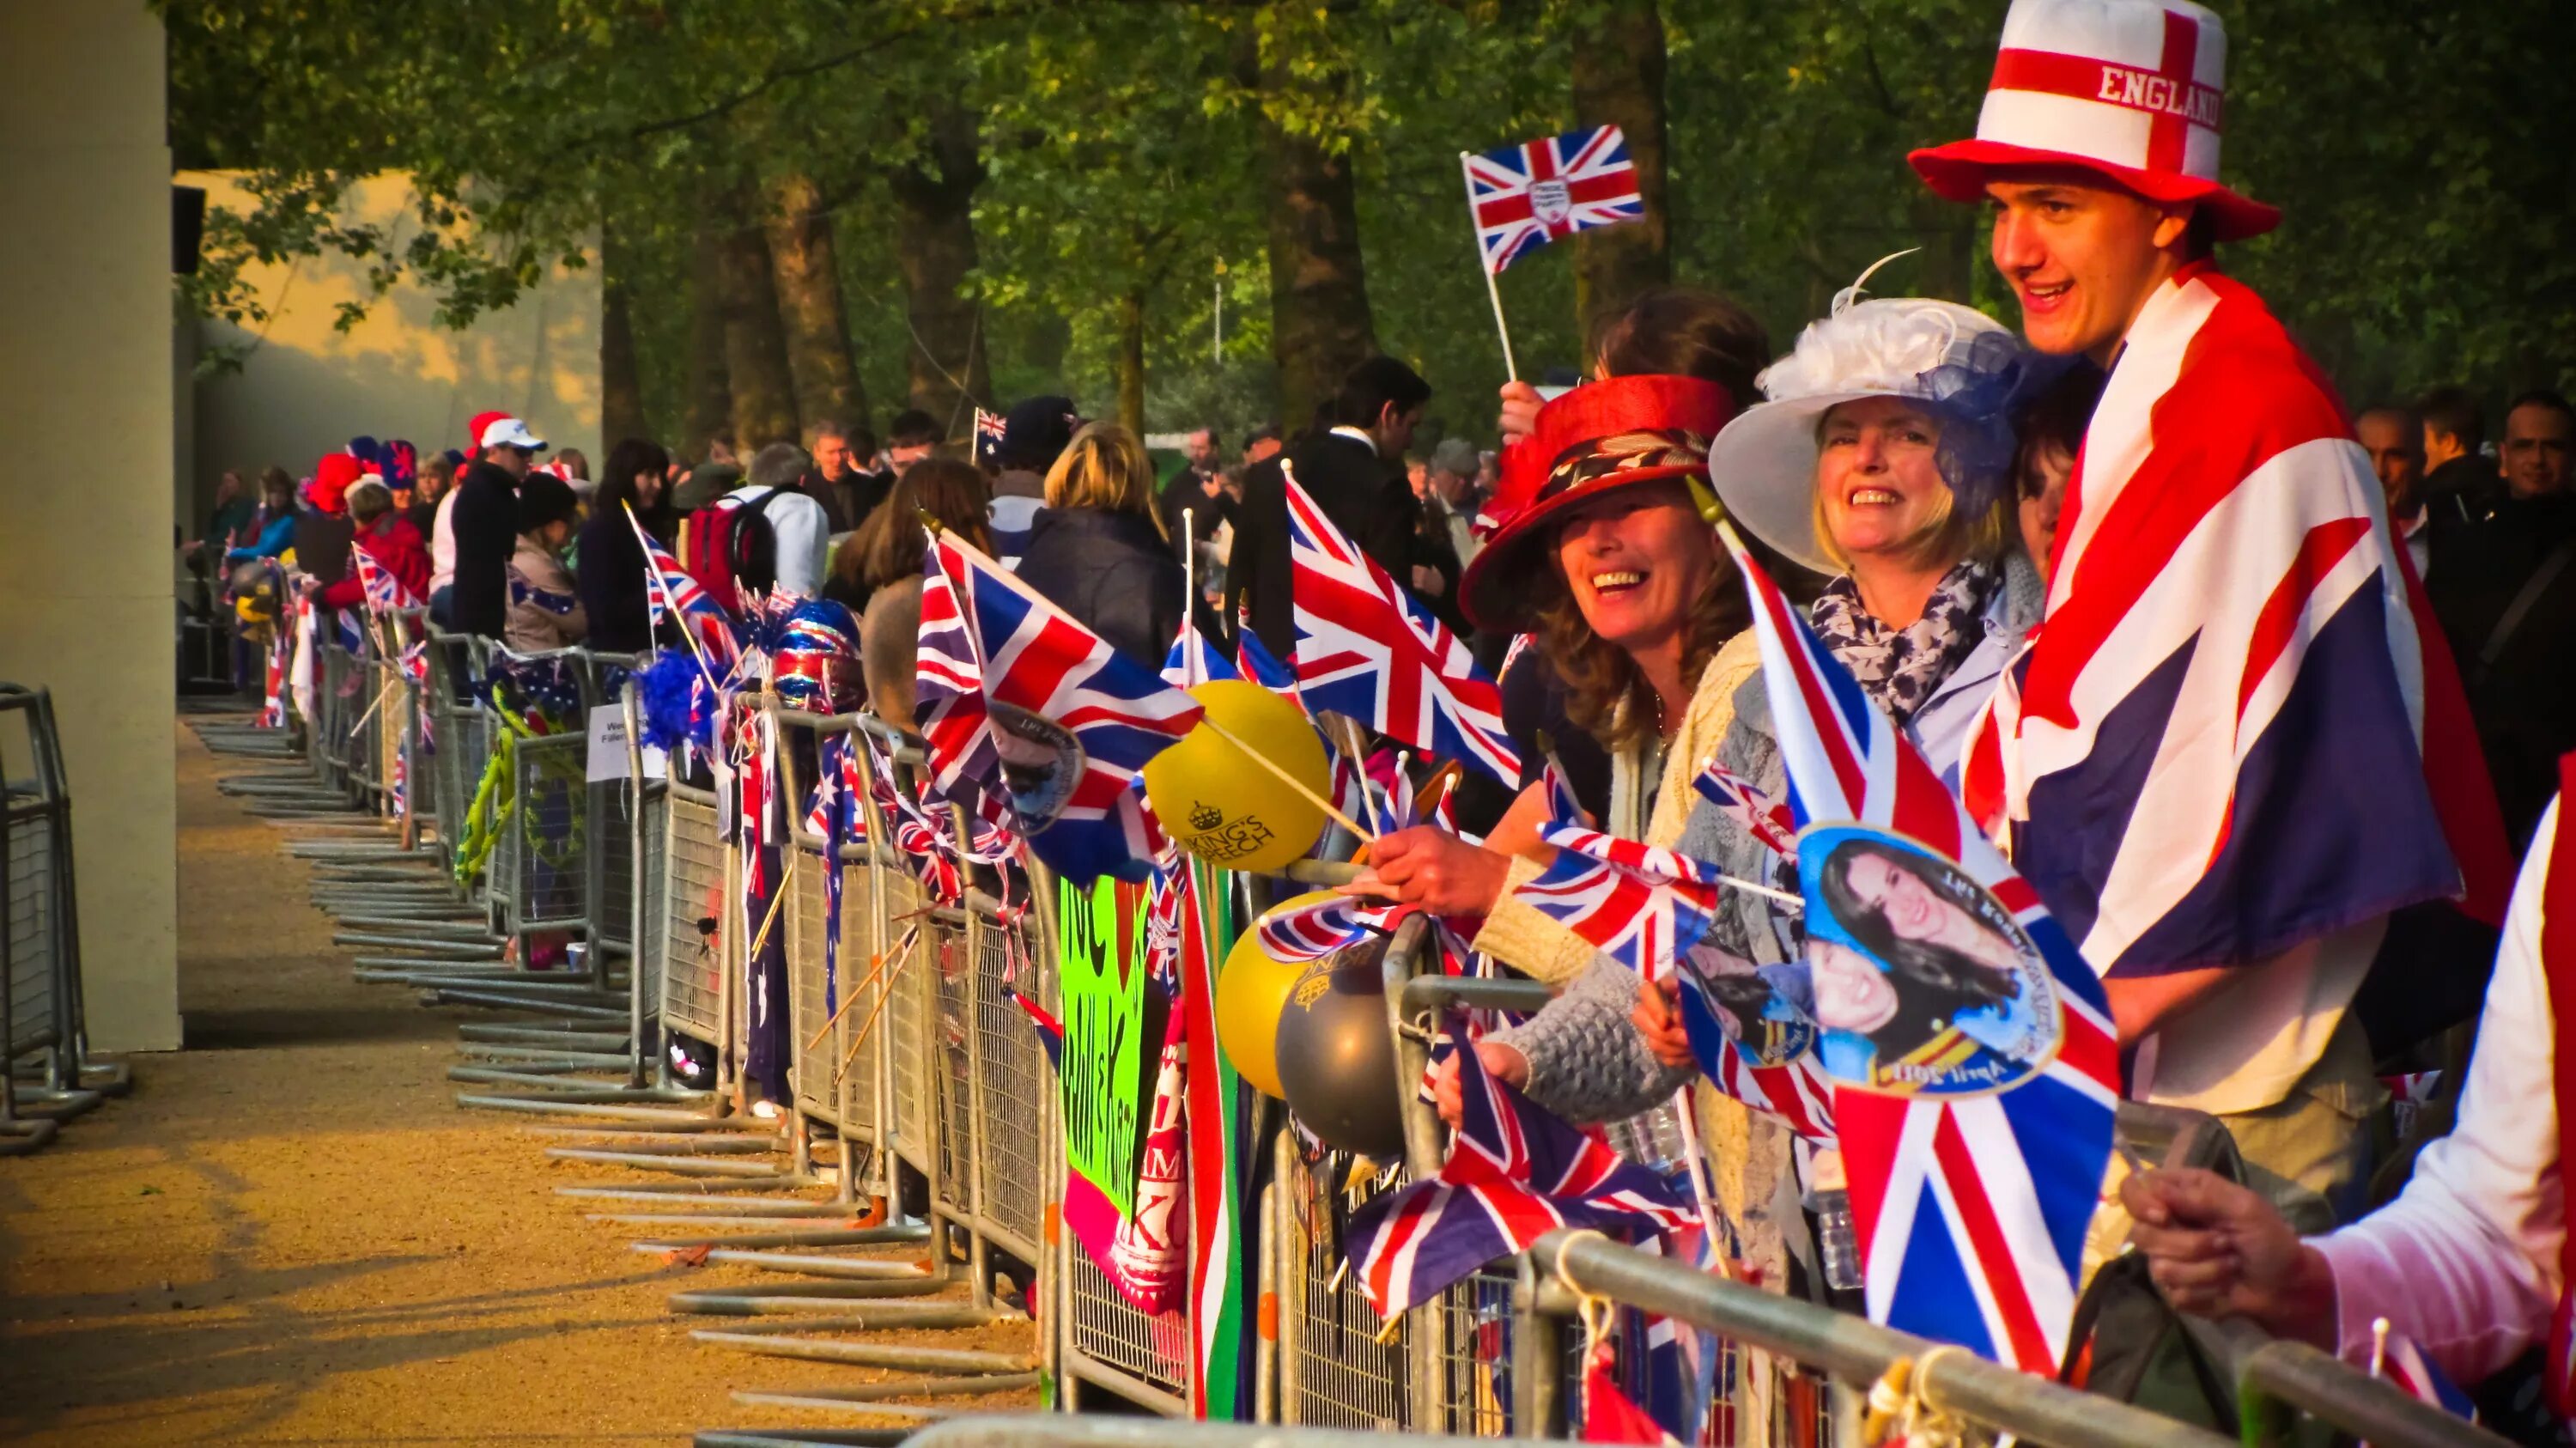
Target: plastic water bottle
1836,1244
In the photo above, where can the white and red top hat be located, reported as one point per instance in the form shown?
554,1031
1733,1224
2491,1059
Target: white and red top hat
2133,89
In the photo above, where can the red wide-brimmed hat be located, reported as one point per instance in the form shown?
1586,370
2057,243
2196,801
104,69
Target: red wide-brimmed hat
2134,90
1614,433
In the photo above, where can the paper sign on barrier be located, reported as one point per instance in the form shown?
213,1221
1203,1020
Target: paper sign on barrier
608,747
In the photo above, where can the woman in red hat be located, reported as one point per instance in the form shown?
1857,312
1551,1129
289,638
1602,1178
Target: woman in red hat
1601,552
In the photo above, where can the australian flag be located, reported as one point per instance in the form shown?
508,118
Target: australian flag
1514,1174
1018,702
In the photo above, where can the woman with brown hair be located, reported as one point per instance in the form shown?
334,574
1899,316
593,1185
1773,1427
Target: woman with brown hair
886,556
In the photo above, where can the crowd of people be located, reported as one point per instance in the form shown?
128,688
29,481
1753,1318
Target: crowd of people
2287,692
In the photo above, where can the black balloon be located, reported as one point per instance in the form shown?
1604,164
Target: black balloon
1337,1057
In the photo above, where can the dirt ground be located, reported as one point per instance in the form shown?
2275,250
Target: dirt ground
290,1234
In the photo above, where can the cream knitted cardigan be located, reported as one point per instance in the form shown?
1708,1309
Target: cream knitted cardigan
1748,1152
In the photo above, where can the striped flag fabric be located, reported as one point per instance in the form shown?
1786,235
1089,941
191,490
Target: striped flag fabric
1369,650
1020,704
673,593
1640,905
1211,1089
1318,928
384,592
2402,1362
1762,817
1975,1159
1528,195
1514,1173
2229,635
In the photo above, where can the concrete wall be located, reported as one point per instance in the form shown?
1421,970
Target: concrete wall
85,502
306,388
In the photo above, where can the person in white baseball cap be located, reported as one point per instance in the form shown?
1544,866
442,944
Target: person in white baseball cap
2226,617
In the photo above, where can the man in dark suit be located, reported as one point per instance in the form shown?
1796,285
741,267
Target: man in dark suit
1352,465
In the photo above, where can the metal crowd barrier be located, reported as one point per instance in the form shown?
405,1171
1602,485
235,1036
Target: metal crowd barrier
915,1068
46,1076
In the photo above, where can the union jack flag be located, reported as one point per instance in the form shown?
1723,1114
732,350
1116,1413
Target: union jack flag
1514,1173
1528,195
1006,681
1318,928
1253,660
1970,1208
1639,905
2229,636
1762,817
1368,649
384,592
672,593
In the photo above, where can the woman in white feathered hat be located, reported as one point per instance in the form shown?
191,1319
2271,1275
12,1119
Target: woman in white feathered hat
1881,457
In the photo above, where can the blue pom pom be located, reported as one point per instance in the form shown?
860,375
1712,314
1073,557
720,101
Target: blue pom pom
679,708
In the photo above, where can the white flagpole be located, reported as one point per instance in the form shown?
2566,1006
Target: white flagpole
1493,289
1190,670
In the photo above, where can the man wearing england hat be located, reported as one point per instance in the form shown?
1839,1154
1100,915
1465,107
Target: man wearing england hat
2230,647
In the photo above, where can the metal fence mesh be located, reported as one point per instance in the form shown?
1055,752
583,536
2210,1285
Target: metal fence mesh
953,979
551,818
807,1006
1017,1085
31,938
909,1017
693,909
867,1031
1103,1327
652,916
613,806
1341,1375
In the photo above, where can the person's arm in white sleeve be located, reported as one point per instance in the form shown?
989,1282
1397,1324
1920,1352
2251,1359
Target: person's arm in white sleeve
2465,1263
2465,1260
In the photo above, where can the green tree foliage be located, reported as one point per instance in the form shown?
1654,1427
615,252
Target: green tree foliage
1128,151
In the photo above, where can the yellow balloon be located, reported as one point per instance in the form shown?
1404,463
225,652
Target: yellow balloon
1225,808
1251,992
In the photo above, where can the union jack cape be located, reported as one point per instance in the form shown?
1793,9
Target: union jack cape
992,649
1971,1209
1514,1173
1369,650
2229,633
1528,195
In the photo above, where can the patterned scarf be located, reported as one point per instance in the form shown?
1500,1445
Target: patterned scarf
1900,668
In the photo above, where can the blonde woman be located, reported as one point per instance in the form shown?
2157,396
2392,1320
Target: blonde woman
1097,549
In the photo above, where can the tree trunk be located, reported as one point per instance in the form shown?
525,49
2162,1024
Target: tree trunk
1619,80
764,396
621,386
810,309
1131,361
1320,326
935,237
709,401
